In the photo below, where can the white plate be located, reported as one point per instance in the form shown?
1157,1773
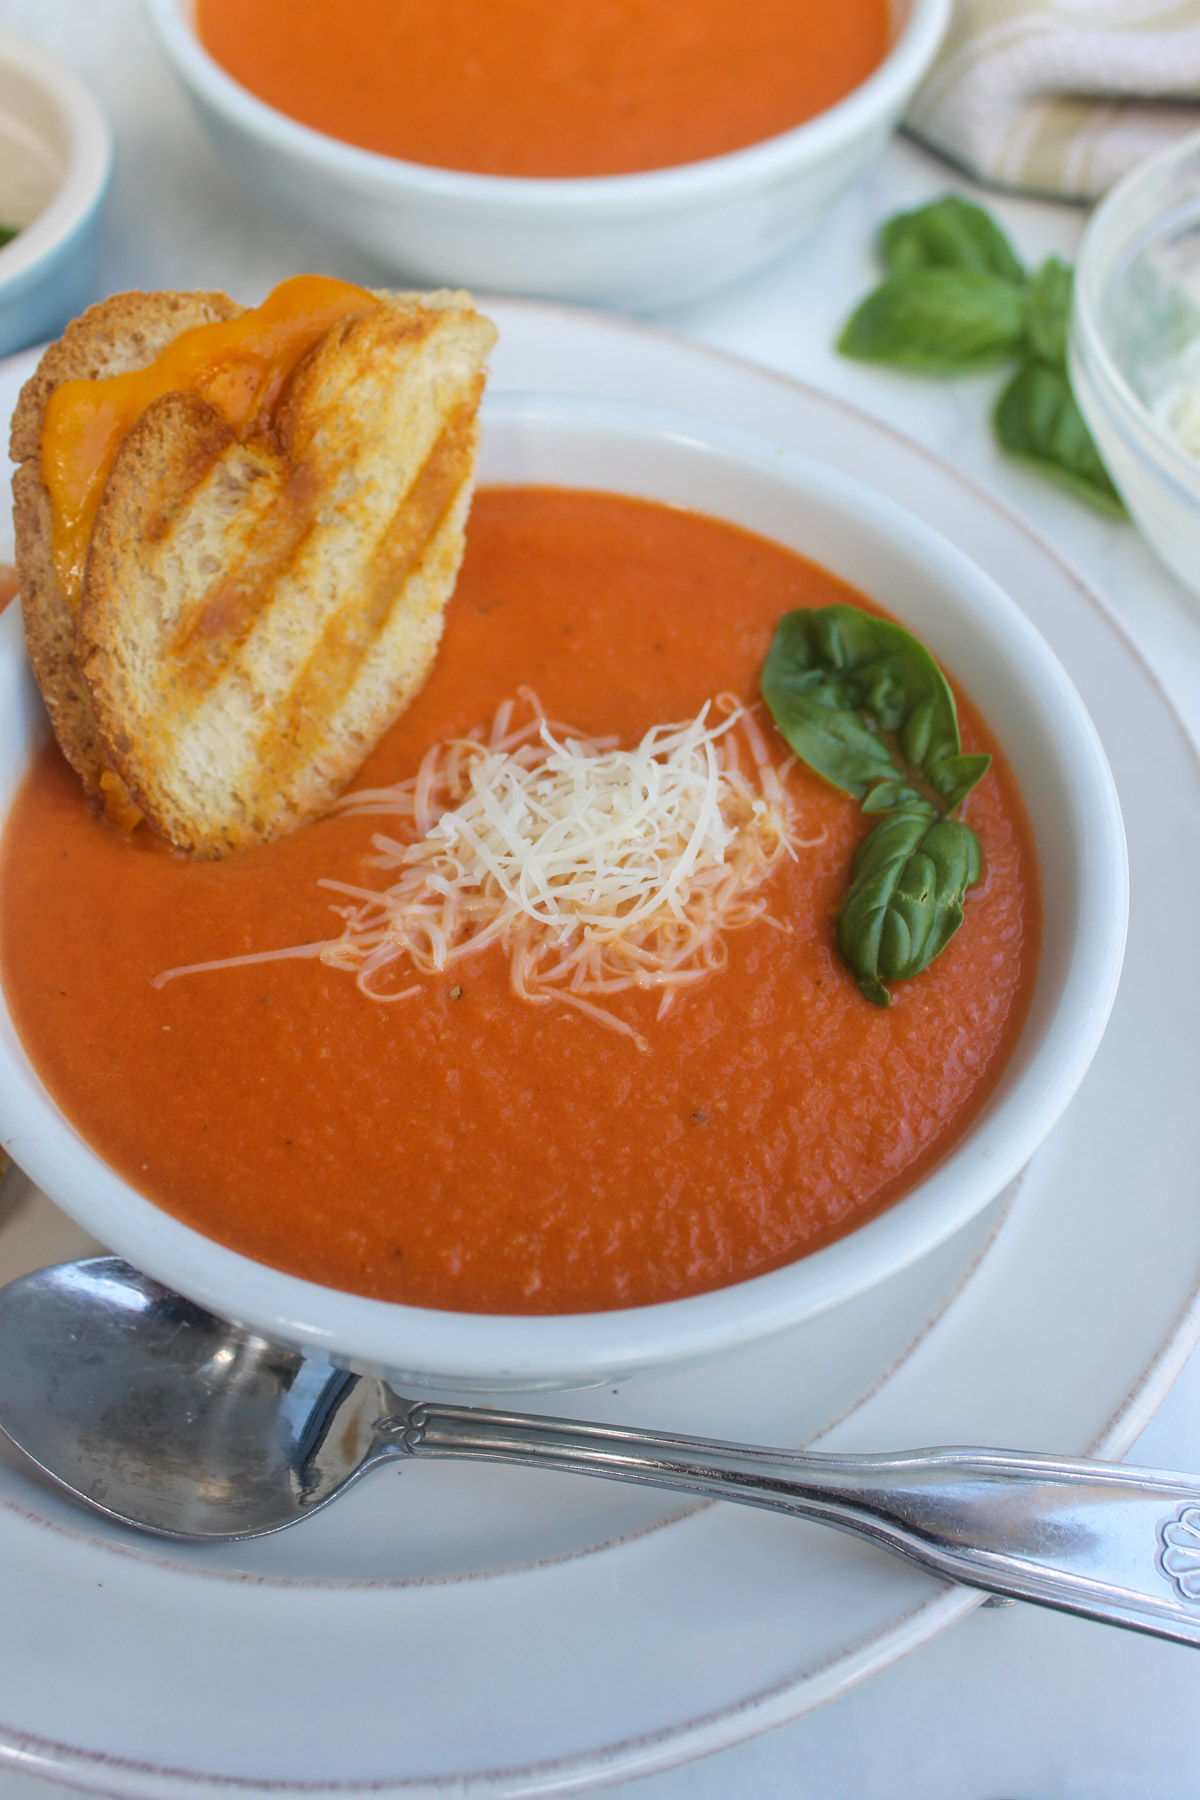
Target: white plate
387,1644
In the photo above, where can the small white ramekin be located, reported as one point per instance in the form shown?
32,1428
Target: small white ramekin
55,164
630,241
874,1289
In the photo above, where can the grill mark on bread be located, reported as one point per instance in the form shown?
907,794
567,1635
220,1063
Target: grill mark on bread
169,454
447,466
209,635
349,636
410,329
210,632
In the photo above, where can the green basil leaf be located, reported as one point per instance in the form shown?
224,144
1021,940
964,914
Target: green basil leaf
905,899
938,322
948,234
7,234
1037,419
829,665
1050,312
953,778
886,796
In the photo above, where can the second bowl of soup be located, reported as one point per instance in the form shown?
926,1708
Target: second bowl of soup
634,156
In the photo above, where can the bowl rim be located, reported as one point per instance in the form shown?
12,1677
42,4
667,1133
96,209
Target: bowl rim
563,1350
88,171
1094,263
884,90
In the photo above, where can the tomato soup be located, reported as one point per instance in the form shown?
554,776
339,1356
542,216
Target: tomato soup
548,87
463,1148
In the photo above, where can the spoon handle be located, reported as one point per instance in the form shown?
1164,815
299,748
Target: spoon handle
1111,1543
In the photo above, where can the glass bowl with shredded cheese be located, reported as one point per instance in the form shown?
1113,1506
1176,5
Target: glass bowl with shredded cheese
1135,348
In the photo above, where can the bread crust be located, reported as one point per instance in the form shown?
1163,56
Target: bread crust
114,337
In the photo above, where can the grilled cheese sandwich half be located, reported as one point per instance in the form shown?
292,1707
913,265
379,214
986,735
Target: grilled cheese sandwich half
262,566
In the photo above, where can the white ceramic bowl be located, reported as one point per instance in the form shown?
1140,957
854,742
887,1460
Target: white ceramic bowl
1057,759
1135,347
55,163
629,241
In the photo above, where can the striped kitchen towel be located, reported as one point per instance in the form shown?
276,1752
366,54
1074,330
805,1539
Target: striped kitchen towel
1061,97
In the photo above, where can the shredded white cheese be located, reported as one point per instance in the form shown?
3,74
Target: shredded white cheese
598,870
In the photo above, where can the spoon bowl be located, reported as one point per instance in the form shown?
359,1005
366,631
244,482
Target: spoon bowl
167,1418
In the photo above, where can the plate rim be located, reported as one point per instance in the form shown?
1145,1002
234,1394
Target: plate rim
796,1693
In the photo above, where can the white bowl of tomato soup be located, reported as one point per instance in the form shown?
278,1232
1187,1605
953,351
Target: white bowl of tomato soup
628,157
521,1197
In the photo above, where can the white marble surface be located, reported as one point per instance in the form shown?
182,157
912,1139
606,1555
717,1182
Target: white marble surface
1015,1704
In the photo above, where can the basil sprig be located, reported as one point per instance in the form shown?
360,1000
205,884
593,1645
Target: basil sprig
7,234
862,702
957,299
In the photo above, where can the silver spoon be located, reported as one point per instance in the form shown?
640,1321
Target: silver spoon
170,1420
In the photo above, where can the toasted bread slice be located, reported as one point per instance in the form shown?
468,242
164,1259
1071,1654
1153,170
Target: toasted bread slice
254,615
115,337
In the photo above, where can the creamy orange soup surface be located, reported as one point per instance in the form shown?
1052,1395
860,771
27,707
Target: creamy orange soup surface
463,1148
548,87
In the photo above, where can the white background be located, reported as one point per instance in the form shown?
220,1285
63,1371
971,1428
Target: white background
1014,1704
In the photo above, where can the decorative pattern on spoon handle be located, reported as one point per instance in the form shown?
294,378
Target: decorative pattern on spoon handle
1085,1537
1179,1553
